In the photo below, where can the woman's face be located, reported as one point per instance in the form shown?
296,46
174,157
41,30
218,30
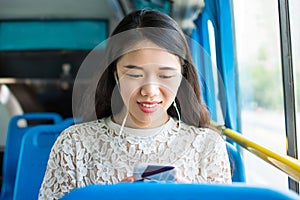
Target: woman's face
149,78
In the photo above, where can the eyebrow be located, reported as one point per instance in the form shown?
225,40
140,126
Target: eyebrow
141,68
167,68
132,67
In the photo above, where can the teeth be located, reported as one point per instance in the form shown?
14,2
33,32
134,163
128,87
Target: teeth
148,105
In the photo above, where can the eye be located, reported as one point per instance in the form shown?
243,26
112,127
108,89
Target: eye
166,76
134,75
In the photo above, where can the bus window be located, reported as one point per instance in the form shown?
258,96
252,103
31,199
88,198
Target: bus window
212,45
261,91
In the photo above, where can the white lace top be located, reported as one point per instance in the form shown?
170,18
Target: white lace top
95,153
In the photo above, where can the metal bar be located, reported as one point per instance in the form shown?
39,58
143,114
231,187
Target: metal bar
287,164
288,83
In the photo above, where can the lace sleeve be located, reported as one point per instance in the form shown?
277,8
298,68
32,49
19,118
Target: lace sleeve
60,173
216,162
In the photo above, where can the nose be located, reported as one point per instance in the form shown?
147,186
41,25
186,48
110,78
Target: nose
150,89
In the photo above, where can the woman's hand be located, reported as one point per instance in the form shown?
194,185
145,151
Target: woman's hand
181,180
129,179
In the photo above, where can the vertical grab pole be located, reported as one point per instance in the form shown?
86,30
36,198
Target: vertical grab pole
288,83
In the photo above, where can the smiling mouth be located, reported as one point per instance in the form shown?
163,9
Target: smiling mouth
148,107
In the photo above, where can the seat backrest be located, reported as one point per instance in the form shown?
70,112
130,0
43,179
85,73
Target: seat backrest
35,149
12,147
236,163
158,191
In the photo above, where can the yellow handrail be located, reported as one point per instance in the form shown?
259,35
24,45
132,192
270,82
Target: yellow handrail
287,164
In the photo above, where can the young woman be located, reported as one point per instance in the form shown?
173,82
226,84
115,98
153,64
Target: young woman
149,111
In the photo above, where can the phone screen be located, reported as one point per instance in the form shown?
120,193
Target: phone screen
154,173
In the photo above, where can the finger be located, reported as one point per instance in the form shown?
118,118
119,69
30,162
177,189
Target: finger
128,179
181,180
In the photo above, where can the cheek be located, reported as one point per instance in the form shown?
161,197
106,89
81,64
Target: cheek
171,88
169,96
170,93
128,91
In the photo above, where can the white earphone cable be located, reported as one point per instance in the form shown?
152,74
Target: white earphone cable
178,114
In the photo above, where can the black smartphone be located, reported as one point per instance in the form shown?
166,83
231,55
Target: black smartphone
154,173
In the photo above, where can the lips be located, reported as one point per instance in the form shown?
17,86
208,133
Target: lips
149,106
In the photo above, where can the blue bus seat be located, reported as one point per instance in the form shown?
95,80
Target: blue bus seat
12,148
35,149
165,191
236,163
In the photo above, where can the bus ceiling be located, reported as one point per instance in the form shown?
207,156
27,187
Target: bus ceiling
184,11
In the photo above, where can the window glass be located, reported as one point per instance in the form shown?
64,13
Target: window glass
215,72
261,91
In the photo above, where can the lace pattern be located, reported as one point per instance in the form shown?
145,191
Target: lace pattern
95,153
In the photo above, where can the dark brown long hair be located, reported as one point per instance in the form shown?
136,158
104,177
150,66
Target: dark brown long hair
167,35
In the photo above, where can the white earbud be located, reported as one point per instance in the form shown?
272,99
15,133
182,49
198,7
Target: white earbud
116,79
115,76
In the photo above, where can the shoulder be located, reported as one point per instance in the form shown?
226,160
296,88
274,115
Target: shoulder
203,137
84,130
96,124
208,133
